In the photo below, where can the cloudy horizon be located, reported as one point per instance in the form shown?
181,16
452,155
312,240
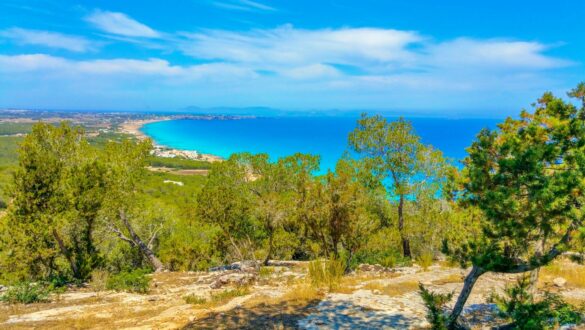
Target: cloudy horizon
104,57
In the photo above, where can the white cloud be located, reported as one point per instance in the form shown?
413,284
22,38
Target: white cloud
313,71
48,39
243,5
465,53
119,67
120,24
289,46
290,67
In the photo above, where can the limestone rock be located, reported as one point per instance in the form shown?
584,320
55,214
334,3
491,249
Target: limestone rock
366,268
559,282
239,279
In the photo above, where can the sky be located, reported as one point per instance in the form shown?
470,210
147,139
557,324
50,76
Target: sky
446,58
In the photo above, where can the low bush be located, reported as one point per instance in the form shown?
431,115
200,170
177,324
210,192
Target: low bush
99,280
425,260
526,312
227,295
265,271
435,304
194,299
326,273
134,281
386,258
26,293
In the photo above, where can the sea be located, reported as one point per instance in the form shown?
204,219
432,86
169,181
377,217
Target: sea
323,136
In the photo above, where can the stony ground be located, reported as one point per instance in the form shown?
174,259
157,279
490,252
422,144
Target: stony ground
277,298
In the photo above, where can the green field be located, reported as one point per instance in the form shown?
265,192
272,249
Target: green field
15,128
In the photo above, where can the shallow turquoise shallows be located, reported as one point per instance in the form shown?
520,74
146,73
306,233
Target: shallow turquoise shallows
280,136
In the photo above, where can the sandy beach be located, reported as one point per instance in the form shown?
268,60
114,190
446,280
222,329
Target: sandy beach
133,127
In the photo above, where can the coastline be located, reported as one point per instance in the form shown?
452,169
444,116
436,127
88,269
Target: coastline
133,127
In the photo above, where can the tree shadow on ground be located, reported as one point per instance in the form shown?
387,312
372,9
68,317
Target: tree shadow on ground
309,315
283,315
347,315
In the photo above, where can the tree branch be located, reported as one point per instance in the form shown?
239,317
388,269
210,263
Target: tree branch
537,262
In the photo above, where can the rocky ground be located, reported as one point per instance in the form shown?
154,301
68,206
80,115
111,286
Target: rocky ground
277,297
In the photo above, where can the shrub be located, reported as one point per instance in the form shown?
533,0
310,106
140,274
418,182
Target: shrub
265,271
134,281
435,304
526,312
26,293
194,299
225,296
425,260
326,273
388,258
99,279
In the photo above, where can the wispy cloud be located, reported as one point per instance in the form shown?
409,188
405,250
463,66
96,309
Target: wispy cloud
243,5
291,67
120,24
48,39
117,67
370,51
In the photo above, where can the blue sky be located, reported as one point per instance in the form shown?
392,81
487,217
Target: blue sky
452,58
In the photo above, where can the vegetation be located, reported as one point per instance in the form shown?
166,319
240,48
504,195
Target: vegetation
26,293
526,312
133,281
326,273
178,163
528,179
80,208
435,304
10,128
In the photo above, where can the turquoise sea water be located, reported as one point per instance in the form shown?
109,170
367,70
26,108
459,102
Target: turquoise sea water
280,136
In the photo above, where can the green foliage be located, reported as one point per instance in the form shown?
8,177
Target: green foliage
133,281
528,178
8,162
527,313
393,152
178,163
326,273
265,271
26,293
56,194
435,304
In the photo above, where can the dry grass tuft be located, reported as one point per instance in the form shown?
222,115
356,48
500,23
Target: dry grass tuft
572,272
453,278
394,289
303,292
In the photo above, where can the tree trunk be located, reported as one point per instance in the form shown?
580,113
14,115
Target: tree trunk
534,281
470,280
66,253
265,263
146,251
405,242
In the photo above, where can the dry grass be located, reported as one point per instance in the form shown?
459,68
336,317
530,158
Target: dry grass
394,289
453,278
572,272
302,292
216,299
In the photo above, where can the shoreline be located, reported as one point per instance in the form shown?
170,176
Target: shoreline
133,127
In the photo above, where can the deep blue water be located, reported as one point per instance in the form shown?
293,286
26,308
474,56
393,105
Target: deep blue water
280,136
